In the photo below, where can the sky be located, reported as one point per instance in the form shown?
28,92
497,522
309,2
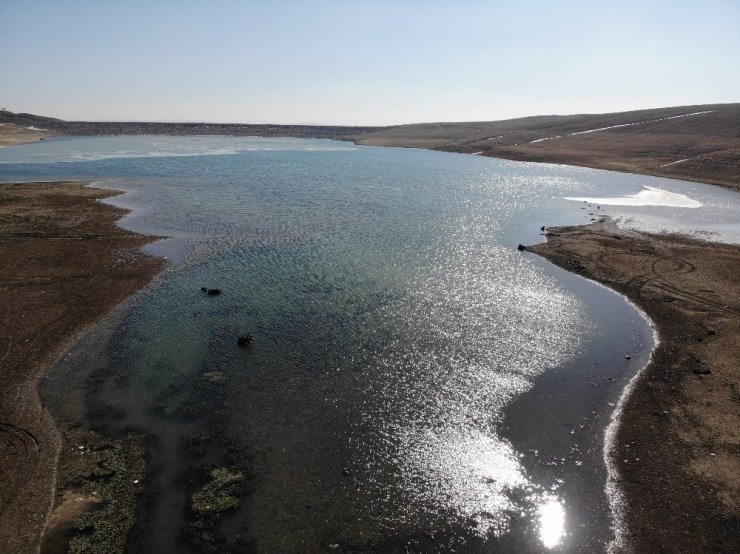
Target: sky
370,62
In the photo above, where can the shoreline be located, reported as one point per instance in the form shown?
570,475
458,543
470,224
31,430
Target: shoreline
71,265
620,541
674,450
565,159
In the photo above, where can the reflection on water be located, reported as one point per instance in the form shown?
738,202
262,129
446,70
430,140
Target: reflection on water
552,522
415,382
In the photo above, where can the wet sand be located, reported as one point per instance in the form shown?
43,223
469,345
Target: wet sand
65,264
676,449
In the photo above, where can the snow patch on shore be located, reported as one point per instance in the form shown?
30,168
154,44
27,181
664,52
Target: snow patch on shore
546,138
619,126
676,162
648,196
641,122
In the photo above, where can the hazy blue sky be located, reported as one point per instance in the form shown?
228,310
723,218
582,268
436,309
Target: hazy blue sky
363,62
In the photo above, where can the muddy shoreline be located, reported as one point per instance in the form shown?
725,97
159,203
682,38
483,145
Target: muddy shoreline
66,265
676,450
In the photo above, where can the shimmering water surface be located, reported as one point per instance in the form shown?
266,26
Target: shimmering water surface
415,382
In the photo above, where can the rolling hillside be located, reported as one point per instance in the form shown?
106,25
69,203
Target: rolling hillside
699,143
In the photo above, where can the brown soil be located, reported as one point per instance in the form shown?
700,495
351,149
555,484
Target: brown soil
64,264
678,443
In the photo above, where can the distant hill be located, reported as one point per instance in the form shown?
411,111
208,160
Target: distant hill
62,127
699,143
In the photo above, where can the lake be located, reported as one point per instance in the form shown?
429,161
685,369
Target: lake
415,381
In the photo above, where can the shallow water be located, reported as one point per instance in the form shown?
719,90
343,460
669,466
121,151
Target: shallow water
415,381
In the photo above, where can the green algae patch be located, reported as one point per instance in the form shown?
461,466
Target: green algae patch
219,494
108,475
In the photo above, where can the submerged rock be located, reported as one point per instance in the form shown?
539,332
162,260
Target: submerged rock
245,340
214,376
211,292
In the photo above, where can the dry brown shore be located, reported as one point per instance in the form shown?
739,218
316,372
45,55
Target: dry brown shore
678,445
11,135
65,264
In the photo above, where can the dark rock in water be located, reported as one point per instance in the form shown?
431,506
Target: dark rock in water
628,357
204,289
212,292
521,247
542,228
245,340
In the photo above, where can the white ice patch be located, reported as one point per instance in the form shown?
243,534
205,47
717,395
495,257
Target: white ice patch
648,196
82,149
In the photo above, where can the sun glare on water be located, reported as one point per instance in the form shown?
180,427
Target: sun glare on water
552,523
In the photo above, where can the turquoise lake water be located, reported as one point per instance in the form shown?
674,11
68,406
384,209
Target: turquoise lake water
415,382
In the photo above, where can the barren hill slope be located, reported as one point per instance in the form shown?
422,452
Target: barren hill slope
699,143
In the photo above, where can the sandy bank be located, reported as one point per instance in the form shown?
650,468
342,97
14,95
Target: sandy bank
677,447
11,134
65,264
